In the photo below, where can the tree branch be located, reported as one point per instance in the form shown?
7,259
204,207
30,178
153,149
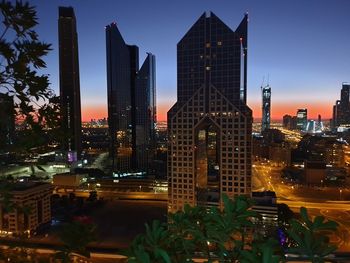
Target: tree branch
3,33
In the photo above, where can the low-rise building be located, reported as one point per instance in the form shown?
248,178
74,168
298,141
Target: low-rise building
314,173
266,206
68,180
30,208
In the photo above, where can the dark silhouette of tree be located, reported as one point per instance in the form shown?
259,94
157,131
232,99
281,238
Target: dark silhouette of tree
21,56
75,237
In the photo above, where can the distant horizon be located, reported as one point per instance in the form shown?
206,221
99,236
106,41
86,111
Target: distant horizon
295,53
255,120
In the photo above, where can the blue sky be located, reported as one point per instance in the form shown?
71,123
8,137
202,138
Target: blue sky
303,45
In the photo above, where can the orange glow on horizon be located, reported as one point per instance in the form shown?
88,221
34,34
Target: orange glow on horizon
278,109
93,112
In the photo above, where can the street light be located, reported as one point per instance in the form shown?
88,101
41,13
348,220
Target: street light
340,191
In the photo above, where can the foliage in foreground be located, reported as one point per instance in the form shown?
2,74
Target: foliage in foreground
228,236
75,237
21,57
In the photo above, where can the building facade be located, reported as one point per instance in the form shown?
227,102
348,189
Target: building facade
266,107
341,109
34,197
69,81
210,125
301,119
131,103
145,113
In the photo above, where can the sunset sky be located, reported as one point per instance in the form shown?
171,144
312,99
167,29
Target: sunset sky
303,46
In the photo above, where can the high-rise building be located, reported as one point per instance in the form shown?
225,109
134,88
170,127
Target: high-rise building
287,120
145,113
69,81
210,125
341,109
266,107
301,119
7,120
131,103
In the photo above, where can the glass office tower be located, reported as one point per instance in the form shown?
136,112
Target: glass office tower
266,107
131,104
301,119
210,124
69,80
341,109
145,113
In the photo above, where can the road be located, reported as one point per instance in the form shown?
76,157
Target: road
329,202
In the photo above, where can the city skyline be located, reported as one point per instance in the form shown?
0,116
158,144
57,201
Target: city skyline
303,60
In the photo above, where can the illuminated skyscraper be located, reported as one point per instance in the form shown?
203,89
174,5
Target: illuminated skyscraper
210,125
69,79
301,119
131,103
266,107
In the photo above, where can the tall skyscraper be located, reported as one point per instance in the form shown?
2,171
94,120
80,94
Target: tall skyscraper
69,80
341,109
131,103
7,120
266,107
210,125
145,113
301,119
287,120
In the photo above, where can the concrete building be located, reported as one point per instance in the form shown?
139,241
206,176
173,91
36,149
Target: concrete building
68,180
34,197
266,206
314,173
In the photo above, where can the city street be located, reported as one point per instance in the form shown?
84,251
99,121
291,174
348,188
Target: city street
329,202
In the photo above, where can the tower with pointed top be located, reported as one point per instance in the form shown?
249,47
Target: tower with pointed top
131,104
69,80
210,125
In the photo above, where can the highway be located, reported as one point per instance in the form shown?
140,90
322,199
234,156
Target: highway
319,201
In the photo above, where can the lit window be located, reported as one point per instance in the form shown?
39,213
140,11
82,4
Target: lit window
207,45
207,68
219,43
